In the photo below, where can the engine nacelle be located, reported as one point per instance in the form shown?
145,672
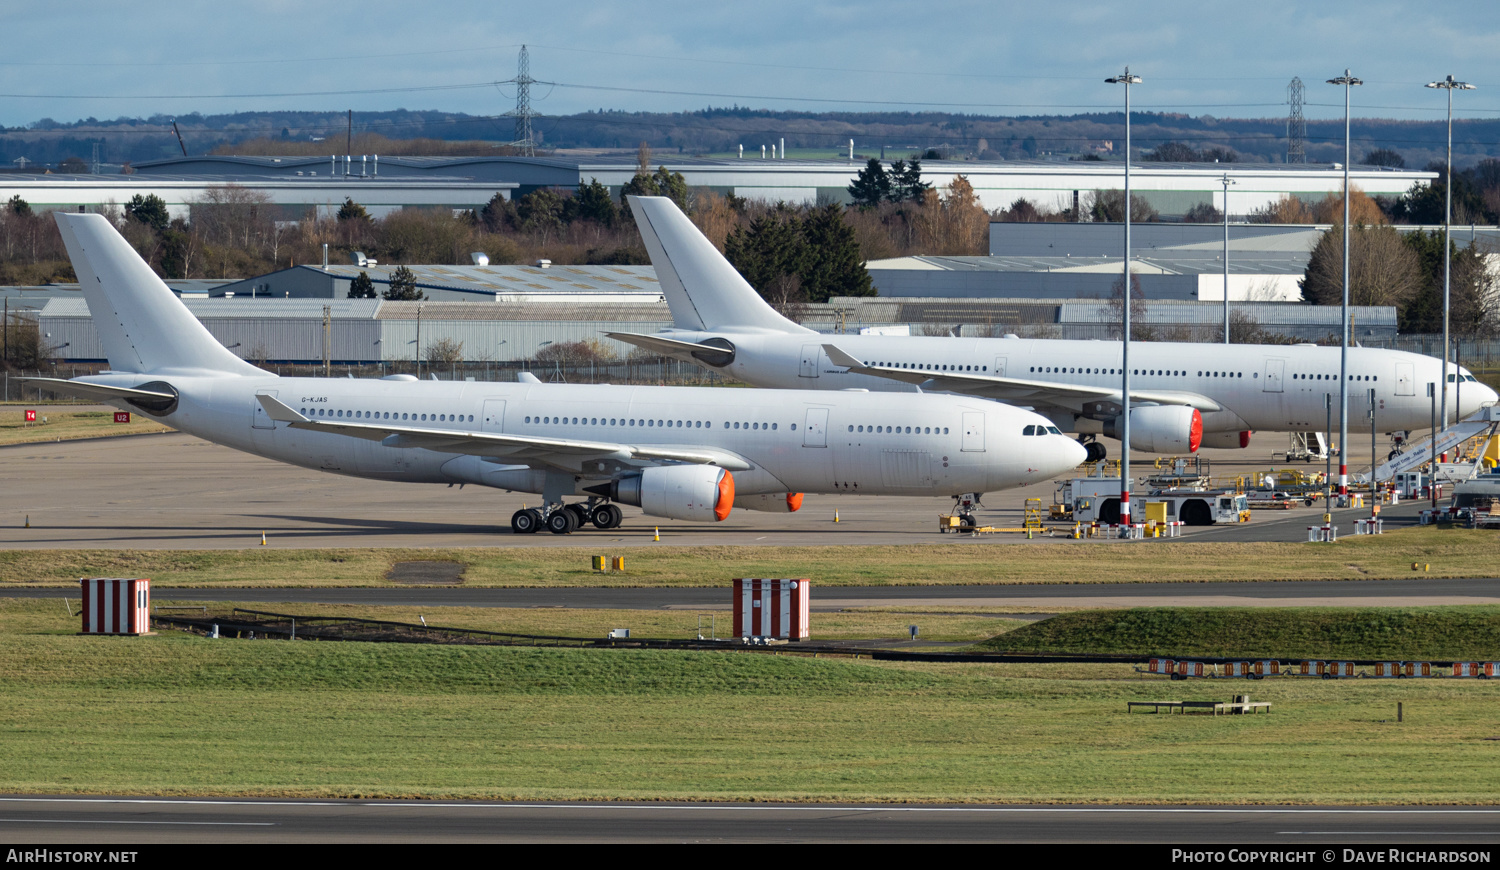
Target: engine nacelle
1227,440
1161,429
679,492
774,503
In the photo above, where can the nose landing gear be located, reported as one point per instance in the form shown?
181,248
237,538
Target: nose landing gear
1096,451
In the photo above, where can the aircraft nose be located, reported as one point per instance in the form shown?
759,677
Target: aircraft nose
1486,396
1062,454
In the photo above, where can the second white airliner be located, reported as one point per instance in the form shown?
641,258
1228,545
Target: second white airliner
1182,395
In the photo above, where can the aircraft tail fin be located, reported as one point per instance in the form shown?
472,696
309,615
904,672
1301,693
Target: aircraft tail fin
702,288
143,326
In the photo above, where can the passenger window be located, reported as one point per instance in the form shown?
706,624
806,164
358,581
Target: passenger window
773,427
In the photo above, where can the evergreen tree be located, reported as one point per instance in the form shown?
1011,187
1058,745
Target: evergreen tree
362,287
833,266
770,254
150,210
352,211
659,183
906,182
404,287
592,202
497,213
19,207
871,186
1469,284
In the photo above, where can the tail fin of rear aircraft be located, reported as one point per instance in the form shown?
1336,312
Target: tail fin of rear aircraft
143,326
702,288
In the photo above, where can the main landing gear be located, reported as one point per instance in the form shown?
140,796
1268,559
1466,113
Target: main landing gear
562,519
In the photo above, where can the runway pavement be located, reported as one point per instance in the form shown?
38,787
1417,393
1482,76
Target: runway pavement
80,821
177,492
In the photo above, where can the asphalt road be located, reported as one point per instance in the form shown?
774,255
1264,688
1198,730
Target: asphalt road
1369,593
177,492
80,821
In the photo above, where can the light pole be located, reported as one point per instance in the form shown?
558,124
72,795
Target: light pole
1347,81
1227,181
1448,84
1127,80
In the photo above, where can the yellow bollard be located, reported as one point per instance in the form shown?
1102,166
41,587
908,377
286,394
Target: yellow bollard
1425,567
617,563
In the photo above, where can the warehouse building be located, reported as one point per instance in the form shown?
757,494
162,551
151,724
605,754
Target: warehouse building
540,282
364,331
1171,188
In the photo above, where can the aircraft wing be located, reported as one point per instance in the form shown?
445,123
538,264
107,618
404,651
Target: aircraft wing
519,449
86,390
1012,390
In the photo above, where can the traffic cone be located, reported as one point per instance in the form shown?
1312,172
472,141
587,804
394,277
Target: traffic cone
28,521
657,536
262,539
835,516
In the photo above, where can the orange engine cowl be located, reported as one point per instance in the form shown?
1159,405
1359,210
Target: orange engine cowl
773,503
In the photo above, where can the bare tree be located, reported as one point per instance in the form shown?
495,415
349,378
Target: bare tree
1383,269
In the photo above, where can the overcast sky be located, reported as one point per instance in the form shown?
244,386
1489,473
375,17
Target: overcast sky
74,60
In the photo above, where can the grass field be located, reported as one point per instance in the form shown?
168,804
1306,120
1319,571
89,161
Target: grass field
1407,633
65,425
176,714
1450,552
953,625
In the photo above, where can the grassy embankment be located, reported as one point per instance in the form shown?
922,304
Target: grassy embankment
1450,552
64,425
176,714
1438,634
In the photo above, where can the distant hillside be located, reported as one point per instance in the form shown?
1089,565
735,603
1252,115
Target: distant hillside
721,130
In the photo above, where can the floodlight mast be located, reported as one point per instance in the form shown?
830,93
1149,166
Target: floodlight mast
1227,181
1450,85
1347,81
1127,80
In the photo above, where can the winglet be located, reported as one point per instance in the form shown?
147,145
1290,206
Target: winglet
527,378
839,357
279,411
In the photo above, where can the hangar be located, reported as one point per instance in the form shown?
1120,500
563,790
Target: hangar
384,183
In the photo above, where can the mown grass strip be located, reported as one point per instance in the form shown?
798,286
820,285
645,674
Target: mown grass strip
1449,552
175,714
1400,633
63,425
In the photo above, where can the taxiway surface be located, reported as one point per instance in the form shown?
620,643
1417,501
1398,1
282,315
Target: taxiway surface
174,491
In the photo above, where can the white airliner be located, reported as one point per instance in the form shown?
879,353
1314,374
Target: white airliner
677,452
1182,395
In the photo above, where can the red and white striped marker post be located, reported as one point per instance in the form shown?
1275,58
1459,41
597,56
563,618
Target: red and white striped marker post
112,605
771,608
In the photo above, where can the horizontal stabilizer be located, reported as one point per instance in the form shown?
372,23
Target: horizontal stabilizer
85,390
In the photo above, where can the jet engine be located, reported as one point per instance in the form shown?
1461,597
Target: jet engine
1229,440
775,503
1161,428
679,492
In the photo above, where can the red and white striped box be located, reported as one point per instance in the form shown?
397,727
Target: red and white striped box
1162,666
1338,669
1466,669
1267,667
113,605
771,608
1387,669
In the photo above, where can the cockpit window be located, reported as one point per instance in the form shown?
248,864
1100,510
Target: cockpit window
1029,430
1054,430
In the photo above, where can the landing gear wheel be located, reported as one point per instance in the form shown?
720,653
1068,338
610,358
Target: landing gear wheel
525,522
607,516
580,515
967,521
562,522
1096,451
